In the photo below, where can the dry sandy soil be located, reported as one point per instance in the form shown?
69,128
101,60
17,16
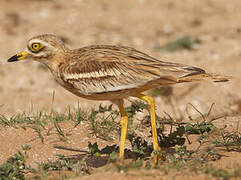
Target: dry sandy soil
144,25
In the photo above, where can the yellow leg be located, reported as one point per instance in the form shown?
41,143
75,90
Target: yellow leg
151,102
124,124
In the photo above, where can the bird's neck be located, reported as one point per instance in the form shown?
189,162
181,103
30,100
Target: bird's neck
54,61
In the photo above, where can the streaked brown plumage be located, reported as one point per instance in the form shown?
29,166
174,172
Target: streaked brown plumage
105,72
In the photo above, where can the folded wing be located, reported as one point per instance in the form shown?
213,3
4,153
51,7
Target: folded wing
99,69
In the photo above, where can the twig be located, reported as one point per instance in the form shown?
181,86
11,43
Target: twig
171,119
216,118
209,112
189,142
198,111
70,149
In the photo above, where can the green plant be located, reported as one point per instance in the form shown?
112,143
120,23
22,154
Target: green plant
102,122
185,42
224,174
231,141
15,167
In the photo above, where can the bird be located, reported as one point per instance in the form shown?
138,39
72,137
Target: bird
109,72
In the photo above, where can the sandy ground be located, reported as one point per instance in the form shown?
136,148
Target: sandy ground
144,25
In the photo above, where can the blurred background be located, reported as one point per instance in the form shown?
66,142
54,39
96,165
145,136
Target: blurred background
206,34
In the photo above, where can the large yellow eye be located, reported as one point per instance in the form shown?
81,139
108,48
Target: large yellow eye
35,46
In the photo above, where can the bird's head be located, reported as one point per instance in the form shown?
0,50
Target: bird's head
41,48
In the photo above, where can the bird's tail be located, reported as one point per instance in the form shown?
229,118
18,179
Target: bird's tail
203,76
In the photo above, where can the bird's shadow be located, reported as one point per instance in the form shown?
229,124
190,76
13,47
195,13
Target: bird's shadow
90,160
96,160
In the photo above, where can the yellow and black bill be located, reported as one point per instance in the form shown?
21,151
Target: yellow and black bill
18,57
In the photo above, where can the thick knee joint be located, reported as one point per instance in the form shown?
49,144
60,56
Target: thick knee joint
149,99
